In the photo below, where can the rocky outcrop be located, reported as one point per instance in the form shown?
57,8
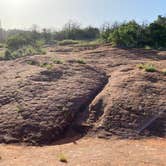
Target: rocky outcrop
101,89
132,100
37,107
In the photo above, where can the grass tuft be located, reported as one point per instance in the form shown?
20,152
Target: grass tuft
63,158
57,61
80,61
147,67
18,108
47,66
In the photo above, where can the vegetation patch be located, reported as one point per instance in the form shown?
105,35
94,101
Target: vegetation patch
22,52
127,34
131,34
164,72
80,61
73,31
147,67
21,45
49,66
2,53
57,61
63,158
18,108
32,62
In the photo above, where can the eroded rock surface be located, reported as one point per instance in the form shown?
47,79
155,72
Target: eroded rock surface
36,105
41,96
130,101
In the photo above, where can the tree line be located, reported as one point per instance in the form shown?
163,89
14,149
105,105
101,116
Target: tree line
127,34
132,34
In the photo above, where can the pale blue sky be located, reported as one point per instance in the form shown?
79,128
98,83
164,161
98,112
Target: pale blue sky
54,13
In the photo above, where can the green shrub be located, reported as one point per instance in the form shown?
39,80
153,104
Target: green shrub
150,68
21,45
8,55
18,41
147,67
157,33
32,62
57,61
131,34
46,65
22,52
39,43
80,61
126,35
18,108
73,31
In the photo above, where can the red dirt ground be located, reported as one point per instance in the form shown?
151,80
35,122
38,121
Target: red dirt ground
130,96
88,152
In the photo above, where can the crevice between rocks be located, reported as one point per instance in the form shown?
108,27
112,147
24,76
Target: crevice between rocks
79,127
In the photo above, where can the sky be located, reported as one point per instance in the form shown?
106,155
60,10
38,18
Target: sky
23,14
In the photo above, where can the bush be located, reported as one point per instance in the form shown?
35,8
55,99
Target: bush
90,33
17,41
147,67
57,61
80,61
21,52
150,68
157,35
131,34
106,30
8,55
48,66
126,35
21,45
72,31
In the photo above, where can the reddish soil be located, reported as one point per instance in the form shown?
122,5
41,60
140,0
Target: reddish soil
88,152
100,90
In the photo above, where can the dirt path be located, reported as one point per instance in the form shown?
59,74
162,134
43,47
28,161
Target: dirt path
88,152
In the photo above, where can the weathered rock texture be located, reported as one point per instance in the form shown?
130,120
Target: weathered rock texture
130,100
42,96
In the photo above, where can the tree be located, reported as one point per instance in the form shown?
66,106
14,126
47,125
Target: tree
46,35
157,35
126,35
161,20
107,29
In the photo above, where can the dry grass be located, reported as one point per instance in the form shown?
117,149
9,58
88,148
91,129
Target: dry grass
62,158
